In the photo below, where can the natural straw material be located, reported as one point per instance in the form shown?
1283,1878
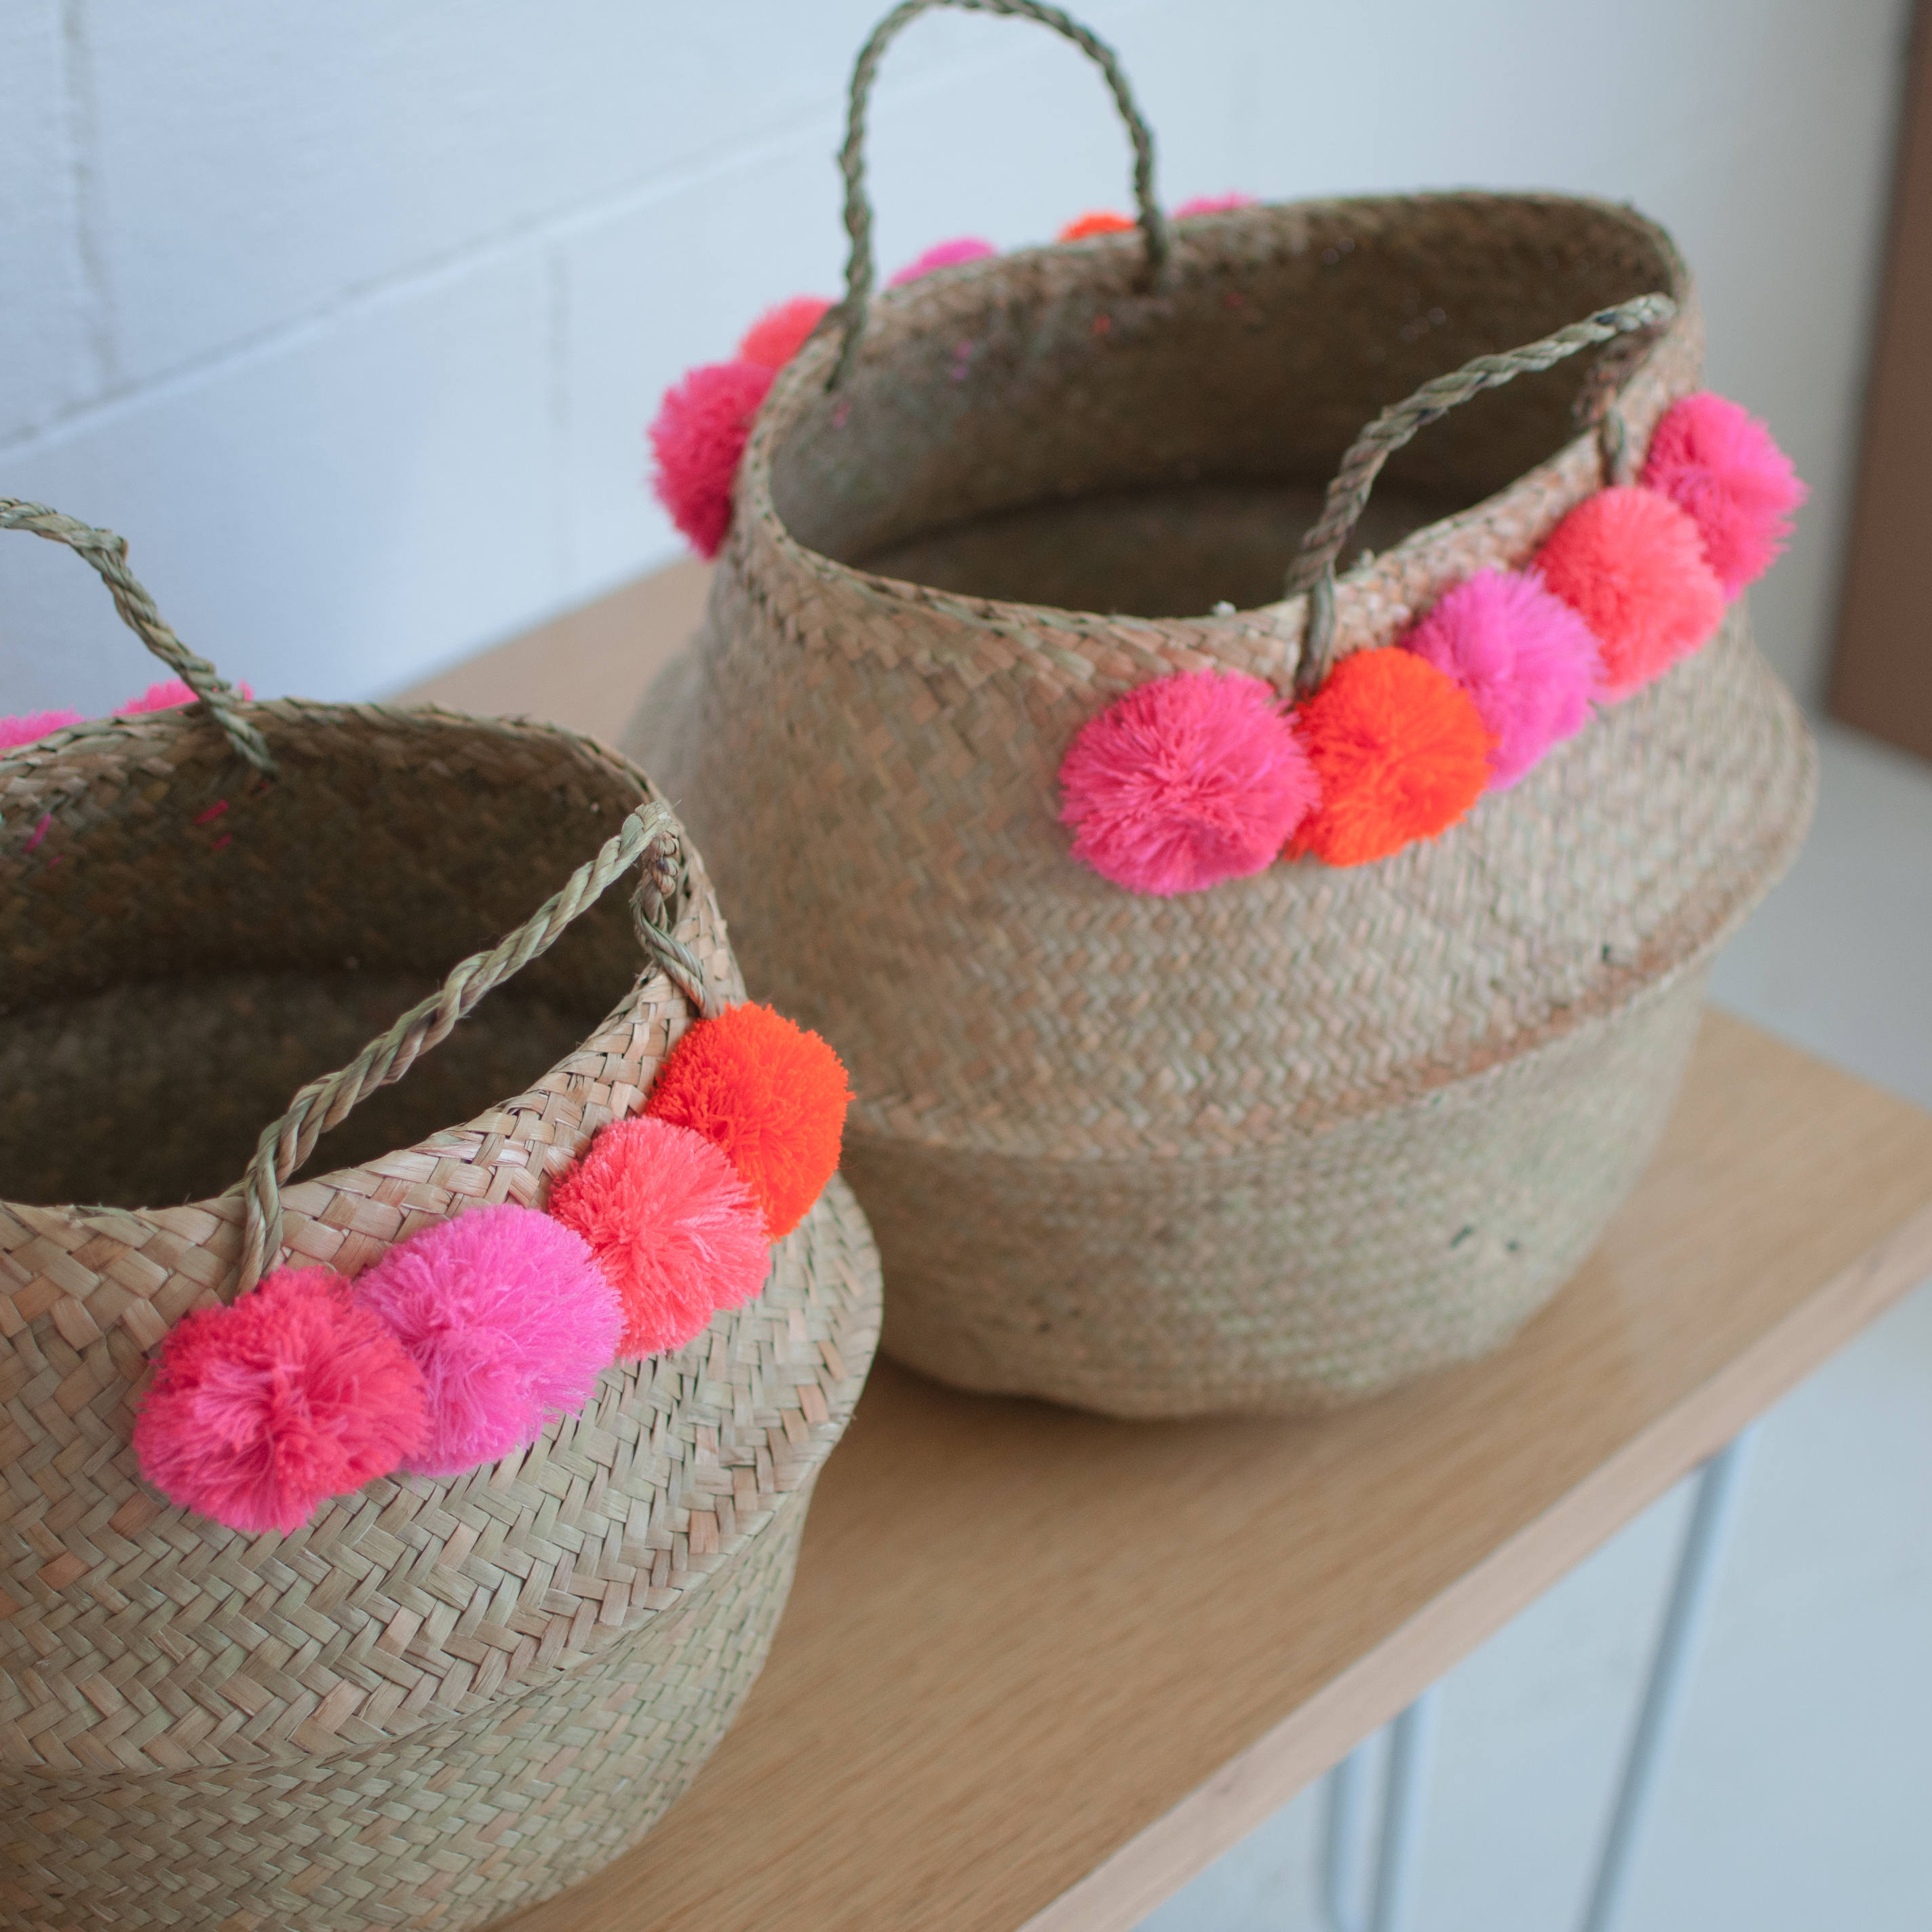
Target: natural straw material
1283,1143
441,1699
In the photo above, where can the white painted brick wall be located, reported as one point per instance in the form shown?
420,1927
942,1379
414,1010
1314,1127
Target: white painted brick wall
350,315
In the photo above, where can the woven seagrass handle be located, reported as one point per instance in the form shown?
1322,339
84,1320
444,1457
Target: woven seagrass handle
1313,569
860,272
108,553
650,836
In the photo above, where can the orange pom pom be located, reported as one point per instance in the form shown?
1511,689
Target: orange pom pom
1102,221
1402,752
771,1096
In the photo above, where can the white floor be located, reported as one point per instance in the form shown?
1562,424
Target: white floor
1799,1797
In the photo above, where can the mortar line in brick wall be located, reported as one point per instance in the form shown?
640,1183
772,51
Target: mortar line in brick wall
80,124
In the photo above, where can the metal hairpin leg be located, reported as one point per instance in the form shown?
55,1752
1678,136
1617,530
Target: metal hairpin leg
1344,1857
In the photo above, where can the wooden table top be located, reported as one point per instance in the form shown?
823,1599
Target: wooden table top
1040,1668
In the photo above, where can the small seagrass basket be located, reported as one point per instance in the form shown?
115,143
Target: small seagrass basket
440,1698
1284,1143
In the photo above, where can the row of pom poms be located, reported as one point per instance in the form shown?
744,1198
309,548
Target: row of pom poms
457,1346
699,434
1205,776
169,695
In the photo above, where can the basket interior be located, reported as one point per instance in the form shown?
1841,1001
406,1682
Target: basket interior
174,972
1032,429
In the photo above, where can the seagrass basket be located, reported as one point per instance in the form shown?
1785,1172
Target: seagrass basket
1285,1143
442,1698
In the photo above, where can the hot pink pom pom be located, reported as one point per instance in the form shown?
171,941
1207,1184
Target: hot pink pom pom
1213,204
944,255
1184,782
698,436
779,334
676,1232
505,1313
1631,565
1715,459
262,1409
24,730
1526,658
169,695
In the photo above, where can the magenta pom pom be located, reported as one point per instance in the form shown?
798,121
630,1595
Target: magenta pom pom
944,255
1213,204
676,1232
1526,658
780,333
698,436
170,695
1715,459
24,730
263,1409
506,1315
1184,782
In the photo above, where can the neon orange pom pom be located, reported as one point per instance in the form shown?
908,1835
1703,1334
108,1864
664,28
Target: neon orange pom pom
770,1095
1402,752
1102,221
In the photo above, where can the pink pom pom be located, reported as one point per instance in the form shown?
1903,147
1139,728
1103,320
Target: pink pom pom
944,255
698,436
1526,658
1631,565
677,1234
780,333
1213,204
506,1315
1184,782
1715,460
169,695
24,730
262,1409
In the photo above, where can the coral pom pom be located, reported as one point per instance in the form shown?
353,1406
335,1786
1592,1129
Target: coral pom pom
674,1230
1102,221
24,730
1631,565
510,1321
1716,460
779,334
769,1095
1213,204
698,436
170,695
1184,782
1528,660
944,255
1401,753
262,1409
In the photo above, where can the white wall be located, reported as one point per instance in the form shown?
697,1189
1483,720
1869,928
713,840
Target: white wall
350,316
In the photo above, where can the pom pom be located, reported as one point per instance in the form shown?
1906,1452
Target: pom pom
1184,782
1631,565
1102,221
170,695
1528,660
1401,752
1716,461
1213,204
508,1318
676,1232
24,730
262,1409
779,334
698,436
769,1095
944,255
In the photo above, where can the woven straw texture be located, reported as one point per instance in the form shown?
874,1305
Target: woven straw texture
1283,1143
441,1699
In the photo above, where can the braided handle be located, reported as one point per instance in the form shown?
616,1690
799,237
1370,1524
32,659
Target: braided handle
650,834
108,553
860,275
1313,569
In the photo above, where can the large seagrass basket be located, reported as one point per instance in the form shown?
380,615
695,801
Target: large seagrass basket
1284,1143
442,1698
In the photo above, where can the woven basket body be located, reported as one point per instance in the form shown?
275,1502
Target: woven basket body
1280,1144
441,1698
